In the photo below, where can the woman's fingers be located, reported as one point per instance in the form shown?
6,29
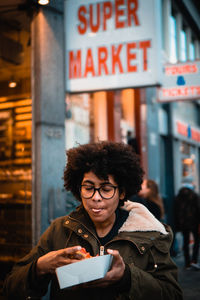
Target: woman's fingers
113,275
54,259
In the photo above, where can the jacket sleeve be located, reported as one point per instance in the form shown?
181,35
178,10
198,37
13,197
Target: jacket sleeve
159,280
22,282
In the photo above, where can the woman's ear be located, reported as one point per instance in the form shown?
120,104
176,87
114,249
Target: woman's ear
122,195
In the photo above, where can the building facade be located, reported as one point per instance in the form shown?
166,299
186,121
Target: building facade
84,71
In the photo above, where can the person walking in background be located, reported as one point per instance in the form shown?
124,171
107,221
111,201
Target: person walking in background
150,194
187,220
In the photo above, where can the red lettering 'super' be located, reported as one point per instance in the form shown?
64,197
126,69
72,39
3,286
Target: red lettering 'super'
119,12
107,13
94,27
132,12
82,28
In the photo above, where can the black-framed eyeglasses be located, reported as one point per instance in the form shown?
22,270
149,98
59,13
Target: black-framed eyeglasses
106,191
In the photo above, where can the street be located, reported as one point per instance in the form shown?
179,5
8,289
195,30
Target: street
188,279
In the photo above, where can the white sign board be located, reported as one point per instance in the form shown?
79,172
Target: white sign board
180,82
112,44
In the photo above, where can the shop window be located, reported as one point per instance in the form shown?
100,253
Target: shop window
192,51
99,116
183,48
189,175
188,172
127,115
173,40
77,125
15,180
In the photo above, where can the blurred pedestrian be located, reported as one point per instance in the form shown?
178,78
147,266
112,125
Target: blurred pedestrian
187,220
153,201
132,141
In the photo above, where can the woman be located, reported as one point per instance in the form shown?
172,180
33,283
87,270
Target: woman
153,201
102,176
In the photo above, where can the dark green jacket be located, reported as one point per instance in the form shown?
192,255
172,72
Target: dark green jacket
142,241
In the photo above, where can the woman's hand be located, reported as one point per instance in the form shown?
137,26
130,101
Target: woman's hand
54,259
113,275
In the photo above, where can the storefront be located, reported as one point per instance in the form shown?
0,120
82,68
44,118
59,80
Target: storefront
186,153
85,72
181,90
15,139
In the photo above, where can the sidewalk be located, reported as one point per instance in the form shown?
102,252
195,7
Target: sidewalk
189,279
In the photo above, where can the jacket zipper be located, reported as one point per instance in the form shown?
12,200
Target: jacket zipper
102,248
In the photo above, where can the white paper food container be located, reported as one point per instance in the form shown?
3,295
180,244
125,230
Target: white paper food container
83,271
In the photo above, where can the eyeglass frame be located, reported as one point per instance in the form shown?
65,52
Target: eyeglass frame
98,189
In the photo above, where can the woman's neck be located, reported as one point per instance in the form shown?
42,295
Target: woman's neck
103,229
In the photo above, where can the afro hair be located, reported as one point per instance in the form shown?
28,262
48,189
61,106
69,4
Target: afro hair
103,159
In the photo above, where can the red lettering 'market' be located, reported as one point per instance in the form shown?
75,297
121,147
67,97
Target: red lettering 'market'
144,45
75,64
123,58
116,58
130,56
102,60
89,65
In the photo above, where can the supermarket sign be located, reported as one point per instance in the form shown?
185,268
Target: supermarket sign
112,44
184,130
181,82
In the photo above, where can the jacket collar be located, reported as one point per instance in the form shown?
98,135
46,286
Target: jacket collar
140,219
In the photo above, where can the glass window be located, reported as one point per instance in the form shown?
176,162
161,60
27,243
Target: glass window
173,50
100,116
192,51
183,46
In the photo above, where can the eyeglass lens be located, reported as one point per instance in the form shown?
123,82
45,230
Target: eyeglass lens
106,191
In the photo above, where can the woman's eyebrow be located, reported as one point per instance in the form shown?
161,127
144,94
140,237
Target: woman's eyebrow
88,181
101,183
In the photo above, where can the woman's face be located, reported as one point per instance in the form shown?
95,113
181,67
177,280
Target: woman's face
99,209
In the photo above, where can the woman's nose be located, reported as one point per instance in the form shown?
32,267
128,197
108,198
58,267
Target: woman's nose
97,196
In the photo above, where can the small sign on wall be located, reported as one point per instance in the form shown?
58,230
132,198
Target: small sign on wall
180,82
186,131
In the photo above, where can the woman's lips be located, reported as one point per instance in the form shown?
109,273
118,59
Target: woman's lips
97,210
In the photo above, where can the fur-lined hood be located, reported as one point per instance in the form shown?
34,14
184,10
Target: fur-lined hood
140,219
